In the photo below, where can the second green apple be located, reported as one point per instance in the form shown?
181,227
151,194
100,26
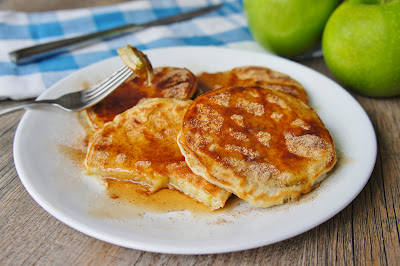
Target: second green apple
288,27
361,45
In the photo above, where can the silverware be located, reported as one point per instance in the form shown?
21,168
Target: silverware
41,51
79,100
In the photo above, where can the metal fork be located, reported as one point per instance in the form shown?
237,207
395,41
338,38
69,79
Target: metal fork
81,99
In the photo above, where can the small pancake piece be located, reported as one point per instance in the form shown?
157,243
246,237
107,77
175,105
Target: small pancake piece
140,145
182,178
168,82
252,75
263,145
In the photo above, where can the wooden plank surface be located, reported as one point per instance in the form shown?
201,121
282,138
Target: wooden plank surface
365,232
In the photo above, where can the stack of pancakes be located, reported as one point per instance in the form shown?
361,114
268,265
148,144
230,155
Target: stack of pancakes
251,133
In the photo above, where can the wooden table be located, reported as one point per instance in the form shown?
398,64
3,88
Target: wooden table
365,232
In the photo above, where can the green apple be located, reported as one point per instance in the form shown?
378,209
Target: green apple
288,27
361,46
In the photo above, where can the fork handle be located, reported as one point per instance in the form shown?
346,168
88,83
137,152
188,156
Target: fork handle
17,107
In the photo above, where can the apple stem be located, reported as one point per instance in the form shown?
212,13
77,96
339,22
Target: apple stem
383,1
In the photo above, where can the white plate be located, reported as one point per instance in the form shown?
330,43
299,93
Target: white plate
63,190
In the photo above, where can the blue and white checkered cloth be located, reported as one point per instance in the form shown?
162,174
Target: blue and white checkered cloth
225,26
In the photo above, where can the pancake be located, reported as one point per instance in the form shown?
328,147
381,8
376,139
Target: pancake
168,82
140,146
182,178
252,75
263,145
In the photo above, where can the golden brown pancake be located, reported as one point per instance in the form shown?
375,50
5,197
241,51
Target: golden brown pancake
252,75
168,82
263,145
182,178
140,145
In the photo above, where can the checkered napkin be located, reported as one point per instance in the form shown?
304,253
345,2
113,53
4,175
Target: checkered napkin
225,26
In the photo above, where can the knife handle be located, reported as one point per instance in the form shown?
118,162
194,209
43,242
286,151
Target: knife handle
37,52
41,51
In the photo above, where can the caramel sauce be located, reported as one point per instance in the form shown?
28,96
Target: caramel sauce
128,200
164,200
168,83
119,100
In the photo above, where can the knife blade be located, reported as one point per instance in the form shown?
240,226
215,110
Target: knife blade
46,50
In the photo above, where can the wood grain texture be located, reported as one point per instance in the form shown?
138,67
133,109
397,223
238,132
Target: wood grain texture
365,232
